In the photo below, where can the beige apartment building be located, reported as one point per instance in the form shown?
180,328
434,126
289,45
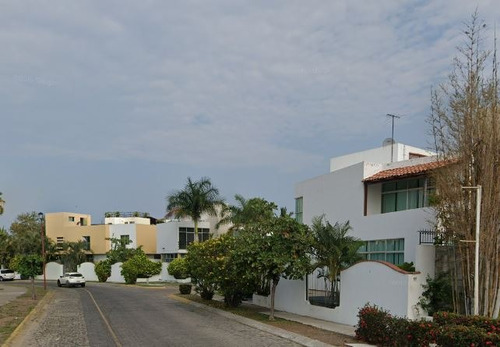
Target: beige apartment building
73,227
165,240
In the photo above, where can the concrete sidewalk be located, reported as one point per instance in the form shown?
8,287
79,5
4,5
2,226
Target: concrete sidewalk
318,323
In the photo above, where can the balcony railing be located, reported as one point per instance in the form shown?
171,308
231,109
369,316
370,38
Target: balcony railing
427,237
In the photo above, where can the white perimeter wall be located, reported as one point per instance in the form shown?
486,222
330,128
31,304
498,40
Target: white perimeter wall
366,282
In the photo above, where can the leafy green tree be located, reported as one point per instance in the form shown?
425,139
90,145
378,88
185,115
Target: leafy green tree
103,270
5,247
28,266
119,251
275,248
333,251
139,266
195,199
246,212
26,234
203,262
73,254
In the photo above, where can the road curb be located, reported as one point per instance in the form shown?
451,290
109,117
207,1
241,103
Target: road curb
36,310
300,339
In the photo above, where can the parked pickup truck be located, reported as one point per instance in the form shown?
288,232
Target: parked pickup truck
71,279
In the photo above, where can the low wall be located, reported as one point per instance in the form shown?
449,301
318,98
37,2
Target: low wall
88,271
53,270
371,282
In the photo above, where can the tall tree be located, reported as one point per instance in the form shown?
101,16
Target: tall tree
195,199
465,124
73,254
333,250
275,248
26,234
5,248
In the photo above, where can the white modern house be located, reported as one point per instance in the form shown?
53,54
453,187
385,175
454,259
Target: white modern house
383,193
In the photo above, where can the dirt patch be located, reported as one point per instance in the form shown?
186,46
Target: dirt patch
14,312
254,312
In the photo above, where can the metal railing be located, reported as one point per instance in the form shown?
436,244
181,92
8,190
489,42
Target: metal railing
427,237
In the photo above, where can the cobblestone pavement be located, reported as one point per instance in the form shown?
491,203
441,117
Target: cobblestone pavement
59,323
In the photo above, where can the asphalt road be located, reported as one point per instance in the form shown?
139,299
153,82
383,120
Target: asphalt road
118,315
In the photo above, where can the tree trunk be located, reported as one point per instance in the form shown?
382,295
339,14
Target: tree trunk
195,231
273,293
33,292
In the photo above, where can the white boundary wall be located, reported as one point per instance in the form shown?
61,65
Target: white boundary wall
367,282
53,270
88,271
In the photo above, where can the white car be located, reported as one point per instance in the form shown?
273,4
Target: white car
7,275
71,279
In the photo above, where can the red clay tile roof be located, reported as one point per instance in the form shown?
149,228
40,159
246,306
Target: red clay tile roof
406,171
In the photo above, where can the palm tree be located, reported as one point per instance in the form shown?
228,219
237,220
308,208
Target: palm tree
74,253
246,212
2,202
195,199
334,250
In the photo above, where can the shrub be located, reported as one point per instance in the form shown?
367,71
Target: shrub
139,265
460,335
489,325
178,268
421,333
203,261
378,327
103,270
185,288
437,295
373,325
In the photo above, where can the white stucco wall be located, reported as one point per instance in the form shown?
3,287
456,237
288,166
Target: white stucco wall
53,271
117,230
167,234
339,195
88,271
365,282
116,275
377,155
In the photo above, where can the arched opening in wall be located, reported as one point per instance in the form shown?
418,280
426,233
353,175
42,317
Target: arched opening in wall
323,289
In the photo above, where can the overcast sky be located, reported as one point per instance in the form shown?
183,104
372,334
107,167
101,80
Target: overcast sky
111,105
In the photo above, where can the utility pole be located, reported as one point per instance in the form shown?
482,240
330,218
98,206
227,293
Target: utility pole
393,116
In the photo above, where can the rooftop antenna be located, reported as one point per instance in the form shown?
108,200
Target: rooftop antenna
393,116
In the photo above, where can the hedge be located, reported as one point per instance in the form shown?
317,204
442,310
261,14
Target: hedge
378,327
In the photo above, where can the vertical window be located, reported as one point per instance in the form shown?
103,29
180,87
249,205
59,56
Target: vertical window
125,239
86,240
390,250
299,209
186,236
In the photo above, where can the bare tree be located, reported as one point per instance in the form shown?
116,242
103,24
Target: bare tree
465,126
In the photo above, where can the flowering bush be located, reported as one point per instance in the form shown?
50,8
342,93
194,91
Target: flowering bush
460,335
488,324
373,325
376,326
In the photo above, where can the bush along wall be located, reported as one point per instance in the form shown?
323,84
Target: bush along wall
377,326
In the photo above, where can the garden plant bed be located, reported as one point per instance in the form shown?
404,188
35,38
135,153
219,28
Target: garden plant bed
254,312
